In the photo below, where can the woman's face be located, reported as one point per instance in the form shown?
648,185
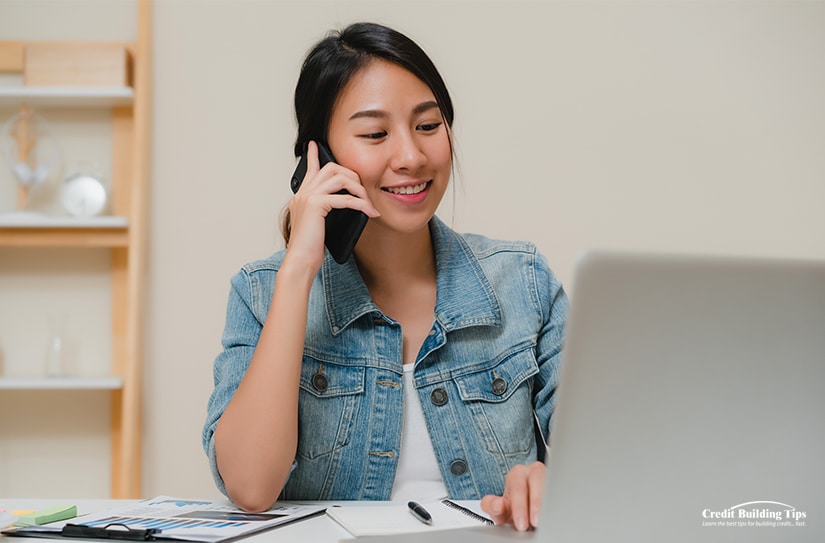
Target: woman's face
387,127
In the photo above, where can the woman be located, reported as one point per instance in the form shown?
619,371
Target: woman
425,364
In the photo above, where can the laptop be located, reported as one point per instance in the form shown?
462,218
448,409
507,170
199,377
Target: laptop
691,406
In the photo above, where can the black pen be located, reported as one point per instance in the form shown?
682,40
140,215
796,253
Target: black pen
420,513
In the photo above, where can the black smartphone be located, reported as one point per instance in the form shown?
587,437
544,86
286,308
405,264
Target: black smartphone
343,226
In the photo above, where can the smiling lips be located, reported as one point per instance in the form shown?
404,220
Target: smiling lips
408,190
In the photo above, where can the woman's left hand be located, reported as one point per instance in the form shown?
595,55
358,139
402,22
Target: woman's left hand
521,502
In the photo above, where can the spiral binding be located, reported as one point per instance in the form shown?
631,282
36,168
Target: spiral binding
469,512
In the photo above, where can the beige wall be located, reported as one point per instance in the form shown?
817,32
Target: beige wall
660,126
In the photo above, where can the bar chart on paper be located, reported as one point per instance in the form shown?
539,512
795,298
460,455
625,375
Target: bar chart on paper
184,520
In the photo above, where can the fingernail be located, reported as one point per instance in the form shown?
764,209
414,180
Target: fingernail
534,519
521,524
497,507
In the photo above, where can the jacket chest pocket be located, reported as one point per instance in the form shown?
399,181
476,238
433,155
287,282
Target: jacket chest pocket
499,398
328,401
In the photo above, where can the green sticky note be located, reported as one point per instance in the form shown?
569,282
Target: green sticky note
52,514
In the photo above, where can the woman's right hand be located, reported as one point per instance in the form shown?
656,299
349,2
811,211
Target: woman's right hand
316,197
255,465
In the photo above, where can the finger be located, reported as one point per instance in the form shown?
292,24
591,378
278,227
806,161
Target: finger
347,180
357,191
313,164
497,508
516,490
338,178
341,201
535,483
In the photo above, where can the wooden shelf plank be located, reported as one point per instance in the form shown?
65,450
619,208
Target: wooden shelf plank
61,383
64,237
31,230
91,97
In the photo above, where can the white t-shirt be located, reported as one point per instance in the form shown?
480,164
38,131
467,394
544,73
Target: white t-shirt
418,476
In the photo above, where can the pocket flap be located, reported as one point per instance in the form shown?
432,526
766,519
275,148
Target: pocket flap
323,379
500,380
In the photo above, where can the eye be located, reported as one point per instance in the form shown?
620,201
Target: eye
428,127
374,135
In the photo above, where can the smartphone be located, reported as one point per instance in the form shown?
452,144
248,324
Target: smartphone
343,226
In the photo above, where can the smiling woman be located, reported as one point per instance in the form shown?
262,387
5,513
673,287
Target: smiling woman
387,128
425,365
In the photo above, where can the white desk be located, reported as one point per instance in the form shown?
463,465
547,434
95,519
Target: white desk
320,529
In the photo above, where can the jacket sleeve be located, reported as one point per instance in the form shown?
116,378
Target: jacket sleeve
553,305
240,337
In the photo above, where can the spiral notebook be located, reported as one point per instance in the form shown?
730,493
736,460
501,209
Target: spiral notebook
396,518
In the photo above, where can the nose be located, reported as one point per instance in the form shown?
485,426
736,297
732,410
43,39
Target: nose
407,154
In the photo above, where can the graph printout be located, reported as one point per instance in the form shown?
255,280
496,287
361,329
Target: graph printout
187,520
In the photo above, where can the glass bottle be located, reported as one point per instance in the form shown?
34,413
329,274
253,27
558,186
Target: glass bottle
55,354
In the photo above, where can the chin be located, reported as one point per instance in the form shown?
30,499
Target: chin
401,225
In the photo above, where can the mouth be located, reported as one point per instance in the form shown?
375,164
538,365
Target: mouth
408,189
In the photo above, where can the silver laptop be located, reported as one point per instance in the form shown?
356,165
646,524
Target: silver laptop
691,406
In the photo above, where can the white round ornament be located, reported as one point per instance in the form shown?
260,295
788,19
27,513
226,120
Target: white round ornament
83,195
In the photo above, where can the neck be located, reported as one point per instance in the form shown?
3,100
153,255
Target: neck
386,259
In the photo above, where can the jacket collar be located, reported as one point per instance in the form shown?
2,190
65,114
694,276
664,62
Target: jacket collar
464,296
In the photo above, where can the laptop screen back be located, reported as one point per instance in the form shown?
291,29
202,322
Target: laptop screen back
691,404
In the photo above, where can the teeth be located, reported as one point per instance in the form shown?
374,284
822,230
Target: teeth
415,189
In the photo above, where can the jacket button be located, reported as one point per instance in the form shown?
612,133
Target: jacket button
438,396
458,467
319,381
499,386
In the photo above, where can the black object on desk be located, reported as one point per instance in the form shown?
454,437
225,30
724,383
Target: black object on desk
420,513
110,531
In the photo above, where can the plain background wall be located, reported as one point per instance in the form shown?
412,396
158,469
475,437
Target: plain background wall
687,127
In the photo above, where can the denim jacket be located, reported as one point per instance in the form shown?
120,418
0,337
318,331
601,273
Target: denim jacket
485,375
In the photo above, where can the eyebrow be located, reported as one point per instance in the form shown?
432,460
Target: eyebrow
378,114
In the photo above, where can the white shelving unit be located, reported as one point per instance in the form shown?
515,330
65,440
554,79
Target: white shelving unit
122,237
71,97
61,383
36,220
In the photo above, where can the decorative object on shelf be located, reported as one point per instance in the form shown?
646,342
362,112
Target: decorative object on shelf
83,195
30,150
84,64
55,353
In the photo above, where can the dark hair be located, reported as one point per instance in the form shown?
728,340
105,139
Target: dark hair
334,60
